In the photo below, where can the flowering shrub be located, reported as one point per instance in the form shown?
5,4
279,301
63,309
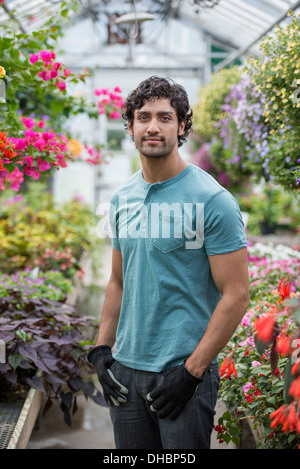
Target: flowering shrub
275,74
208,111
212,127
257,365
272,205
215,159
51,285
111,103
44,235
37,87
256,111
243,129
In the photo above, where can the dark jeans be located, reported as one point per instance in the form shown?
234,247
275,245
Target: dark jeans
137,427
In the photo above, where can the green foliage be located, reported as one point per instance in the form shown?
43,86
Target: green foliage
37,232
273,205
207,111
275,73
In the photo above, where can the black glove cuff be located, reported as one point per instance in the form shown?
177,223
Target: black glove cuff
191,378
99,351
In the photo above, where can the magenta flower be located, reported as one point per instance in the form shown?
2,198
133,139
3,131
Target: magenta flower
33,58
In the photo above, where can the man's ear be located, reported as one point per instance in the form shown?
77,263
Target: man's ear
130,130
181,128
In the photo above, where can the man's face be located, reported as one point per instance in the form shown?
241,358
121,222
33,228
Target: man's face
155,129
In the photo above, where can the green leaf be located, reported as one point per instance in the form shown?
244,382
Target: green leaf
14,360
14,53
33,45
260,346
21,334
227,416
271,400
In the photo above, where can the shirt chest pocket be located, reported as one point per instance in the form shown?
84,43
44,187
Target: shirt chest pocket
167,233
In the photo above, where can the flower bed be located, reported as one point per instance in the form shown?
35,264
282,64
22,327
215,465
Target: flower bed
43,245
259,364
35,232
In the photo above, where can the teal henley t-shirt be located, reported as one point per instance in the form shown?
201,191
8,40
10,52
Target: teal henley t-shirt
165,232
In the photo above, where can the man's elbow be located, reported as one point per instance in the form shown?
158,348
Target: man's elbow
243,300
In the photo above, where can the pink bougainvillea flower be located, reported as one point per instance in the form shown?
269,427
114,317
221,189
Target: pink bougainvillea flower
28,160
47,56
34,58
16,178
44,75
28,122
43,165
53,73
61,84
114,115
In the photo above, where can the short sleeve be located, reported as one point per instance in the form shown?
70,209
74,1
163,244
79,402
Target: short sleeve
224,229
113,226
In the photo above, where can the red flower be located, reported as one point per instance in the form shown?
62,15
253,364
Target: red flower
284,289
264,326
295,388
219,428
228,367
288,417
283,344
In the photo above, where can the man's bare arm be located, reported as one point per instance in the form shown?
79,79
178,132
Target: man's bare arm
112,303
230,273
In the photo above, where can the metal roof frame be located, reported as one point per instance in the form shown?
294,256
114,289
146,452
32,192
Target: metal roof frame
237,25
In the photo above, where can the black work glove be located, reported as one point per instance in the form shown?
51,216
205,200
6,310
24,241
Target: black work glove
173,395
113,391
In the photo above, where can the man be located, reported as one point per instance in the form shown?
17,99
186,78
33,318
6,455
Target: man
178,286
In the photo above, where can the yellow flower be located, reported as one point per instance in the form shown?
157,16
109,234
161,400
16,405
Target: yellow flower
2,72
75,146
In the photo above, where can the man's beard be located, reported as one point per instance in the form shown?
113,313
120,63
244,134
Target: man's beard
158,150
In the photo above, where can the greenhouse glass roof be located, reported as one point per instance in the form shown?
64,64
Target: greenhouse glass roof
234,27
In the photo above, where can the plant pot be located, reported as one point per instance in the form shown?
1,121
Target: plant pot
15,431
266,228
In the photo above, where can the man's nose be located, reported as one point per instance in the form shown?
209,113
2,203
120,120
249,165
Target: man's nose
153,127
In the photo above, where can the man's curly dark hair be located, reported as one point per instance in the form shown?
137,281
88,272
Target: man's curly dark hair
159,87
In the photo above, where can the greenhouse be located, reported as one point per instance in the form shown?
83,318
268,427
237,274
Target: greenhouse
150,225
